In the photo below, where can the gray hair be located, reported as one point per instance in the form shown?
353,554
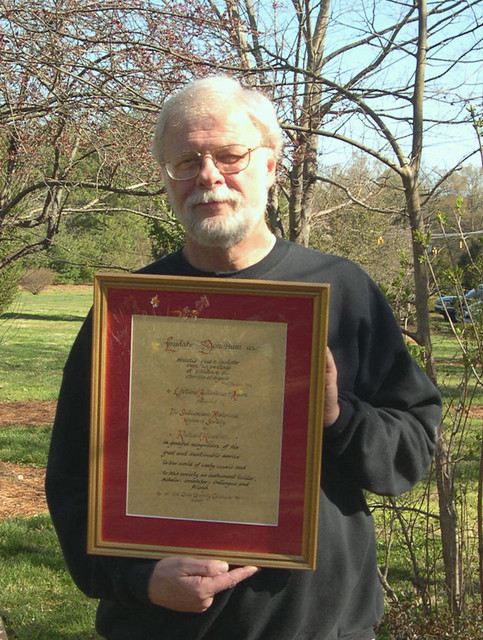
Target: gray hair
198,98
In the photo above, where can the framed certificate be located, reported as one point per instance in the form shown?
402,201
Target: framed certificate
206,418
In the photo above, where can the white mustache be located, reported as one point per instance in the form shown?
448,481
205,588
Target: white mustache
221,194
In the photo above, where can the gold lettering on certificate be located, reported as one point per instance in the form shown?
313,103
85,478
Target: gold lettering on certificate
206,417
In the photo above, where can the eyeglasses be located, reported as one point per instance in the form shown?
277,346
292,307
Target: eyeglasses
232,158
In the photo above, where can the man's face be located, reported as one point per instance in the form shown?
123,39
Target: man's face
219,209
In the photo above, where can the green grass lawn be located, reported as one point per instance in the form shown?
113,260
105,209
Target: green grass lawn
35,338
38,600
25,445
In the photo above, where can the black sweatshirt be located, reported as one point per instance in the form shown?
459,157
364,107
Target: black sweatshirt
383,442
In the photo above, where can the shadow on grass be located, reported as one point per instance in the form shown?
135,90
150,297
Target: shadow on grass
43,317
36,631
33,539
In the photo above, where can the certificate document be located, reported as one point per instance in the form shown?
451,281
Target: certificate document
205,419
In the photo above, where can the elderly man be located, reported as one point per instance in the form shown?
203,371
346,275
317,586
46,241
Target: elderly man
217,145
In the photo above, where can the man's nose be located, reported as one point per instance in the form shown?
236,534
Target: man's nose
209,173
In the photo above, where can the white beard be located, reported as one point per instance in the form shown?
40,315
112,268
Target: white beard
220,231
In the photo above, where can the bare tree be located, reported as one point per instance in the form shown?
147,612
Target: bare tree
377,79
80,87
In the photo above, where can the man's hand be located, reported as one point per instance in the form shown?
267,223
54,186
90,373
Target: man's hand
190,584
331,401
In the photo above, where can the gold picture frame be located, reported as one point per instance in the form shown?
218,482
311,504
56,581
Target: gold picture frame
206,418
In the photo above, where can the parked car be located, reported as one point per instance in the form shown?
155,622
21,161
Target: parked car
451,306
472,312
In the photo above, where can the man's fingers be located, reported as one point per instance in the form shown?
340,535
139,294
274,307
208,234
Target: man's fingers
224,581
189,584
208,568
220,580
331,401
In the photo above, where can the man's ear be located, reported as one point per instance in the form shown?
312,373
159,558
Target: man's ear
271,167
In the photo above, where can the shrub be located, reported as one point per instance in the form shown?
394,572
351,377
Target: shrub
35,280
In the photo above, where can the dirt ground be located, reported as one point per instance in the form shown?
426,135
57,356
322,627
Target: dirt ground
22,491
30,414
22,487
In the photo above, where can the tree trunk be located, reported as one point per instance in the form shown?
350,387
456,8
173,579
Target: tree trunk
444,466
443,459
273,213
448,518
305,155
298,223
480,526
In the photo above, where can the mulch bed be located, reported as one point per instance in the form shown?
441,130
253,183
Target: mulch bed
30,414
22,491
22,487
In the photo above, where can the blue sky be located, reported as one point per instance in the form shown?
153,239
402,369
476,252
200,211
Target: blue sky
454,74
